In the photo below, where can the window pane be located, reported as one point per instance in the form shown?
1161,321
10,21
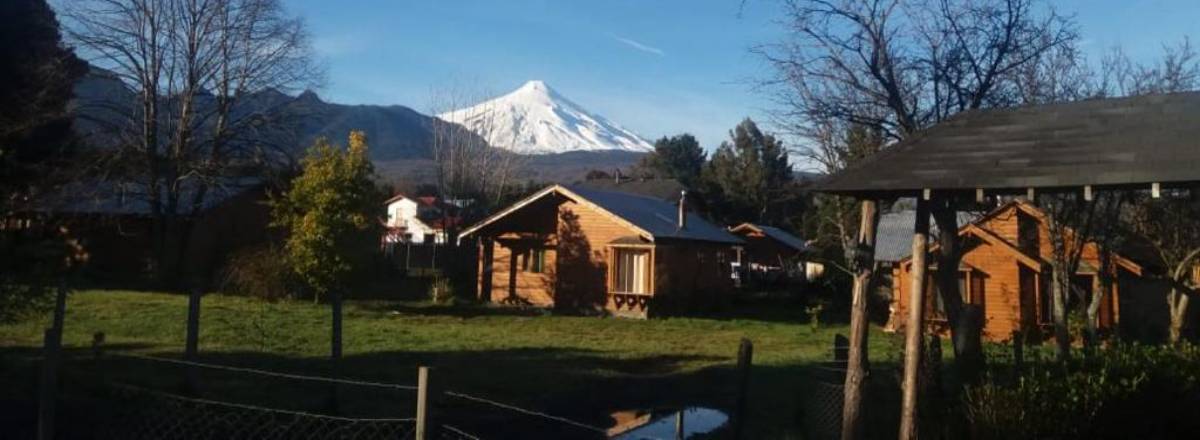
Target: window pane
632,271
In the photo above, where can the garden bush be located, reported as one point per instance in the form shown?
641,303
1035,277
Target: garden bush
260,272
1125,391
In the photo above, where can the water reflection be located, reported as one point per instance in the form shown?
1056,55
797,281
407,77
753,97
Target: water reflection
660,424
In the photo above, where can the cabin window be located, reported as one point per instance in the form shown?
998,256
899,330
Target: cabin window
970,287
537,260
1045,300
632,271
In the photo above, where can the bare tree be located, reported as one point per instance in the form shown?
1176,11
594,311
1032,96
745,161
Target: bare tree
1177,70
194,65
898,67
1169,225
1072,222
469,163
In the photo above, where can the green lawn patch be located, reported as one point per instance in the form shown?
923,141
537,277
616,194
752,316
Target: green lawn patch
579,367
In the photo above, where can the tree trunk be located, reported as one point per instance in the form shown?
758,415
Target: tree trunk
856,365
1178,303
1062,335
916,321
965,333
1099,295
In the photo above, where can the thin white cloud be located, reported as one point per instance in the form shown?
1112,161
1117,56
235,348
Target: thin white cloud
639,46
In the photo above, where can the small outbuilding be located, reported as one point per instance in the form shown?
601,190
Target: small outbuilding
767,246
581,248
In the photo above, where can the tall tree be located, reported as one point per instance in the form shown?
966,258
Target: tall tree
749,178
678,157
331,214
194,65
901,66
36,77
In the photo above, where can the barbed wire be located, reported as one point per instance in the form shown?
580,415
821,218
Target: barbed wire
294,376
524,411
162,394
153,414
460,433
268,373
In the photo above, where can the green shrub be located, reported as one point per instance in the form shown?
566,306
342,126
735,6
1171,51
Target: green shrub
260,272
1094,397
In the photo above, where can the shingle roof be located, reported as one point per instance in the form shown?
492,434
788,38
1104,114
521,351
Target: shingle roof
665,189
893,236
655,216
1118,141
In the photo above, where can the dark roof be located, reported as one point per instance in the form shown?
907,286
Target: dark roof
779,235
664,189
655,216
112,197
893,236
1117,141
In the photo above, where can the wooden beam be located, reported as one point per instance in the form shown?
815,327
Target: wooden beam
916,320
856,365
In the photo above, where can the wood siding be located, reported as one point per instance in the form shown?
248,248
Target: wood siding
578,239
1011,298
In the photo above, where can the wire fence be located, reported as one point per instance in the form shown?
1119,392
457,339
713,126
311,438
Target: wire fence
150,414
143,412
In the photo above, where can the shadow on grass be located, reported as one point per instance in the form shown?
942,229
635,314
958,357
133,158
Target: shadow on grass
581,385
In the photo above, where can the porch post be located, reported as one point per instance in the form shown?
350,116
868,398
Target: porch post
914,328
856,365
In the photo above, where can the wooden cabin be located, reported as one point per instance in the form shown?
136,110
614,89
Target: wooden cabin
767,246
1005,269
581,248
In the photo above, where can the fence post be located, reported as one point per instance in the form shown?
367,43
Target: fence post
1018,341
679,425
192,345
97,345
423,407
335,351
48,391
841,348
60,305
744,359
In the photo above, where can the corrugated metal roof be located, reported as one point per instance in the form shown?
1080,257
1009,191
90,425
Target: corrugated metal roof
893,236
655,216
1118,141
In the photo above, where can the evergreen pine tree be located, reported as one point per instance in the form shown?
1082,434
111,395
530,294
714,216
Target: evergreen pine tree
749,178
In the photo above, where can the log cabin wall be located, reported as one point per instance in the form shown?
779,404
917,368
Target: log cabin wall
1012,297
584,235
513,242
692,275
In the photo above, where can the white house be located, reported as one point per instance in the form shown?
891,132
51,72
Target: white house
417,220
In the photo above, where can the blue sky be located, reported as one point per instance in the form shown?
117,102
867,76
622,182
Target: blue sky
656,67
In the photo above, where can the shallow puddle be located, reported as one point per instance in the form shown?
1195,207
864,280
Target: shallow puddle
660,424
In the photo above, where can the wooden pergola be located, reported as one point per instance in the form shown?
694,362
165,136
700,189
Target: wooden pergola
1138,143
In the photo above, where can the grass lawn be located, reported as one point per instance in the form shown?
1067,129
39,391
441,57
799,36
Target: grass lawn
583,368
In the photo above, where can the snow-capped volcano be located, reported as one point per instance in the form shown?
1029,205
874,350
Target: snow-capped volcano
535,119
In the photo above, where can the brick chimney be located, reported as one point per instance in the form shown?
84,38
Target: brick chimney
682,209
